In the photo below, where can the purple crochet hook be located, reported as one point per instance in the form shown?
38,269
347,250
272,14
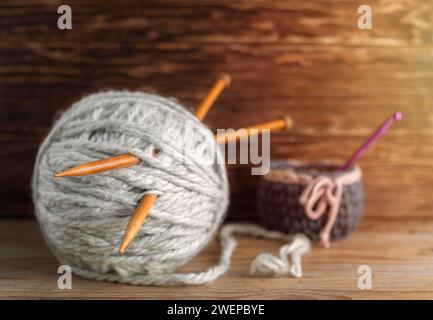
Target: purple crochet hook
375,136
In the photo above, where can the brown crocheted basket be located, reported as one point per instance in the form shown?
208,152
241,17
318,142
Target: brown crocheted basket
302,197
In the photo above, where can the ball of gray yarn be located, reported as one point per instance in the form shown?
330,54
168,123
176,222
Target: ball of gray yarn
83,218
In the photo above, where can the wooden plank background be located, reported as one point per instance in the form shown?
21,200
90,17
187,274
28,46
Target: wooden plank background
305,58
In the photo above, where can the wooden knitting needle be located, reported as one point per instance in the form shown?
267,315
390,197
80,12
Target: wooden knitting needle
282,123
218,87
137,220
122,161
147,201
128,160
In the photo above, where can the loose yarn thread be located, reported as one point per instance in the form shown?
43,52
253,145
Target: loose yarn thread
287,263
323,192
82,218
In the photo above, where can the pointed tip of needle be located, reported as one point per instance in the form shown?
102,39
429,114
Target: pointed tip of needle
60,174
123,246
226,78
398,116
289,122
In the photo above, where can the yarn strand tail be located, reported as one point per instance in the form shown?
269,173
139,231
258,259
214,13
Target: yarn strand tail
288,261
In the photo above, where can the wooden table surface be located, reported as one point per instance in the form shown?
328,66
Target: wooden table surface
400,255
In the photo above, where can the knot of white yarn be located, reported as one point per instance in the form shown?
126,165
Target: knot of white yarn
287,263
267,263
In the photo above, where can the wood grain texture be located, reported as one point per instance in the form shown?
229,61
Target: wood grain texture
400,255
305,58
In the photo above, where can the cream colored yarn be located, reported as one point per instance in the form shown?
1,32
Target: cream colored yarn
83,218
